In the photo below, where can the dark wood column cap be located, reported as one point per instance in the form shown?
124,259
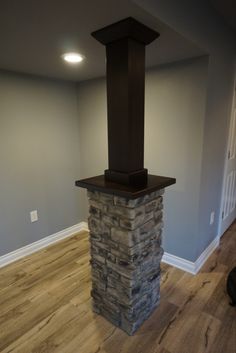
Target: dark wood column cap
127,28
99,183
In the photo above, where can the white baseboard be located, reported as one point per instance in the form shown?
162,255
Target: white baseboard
189,266
42,243
185,265
178,262
206,253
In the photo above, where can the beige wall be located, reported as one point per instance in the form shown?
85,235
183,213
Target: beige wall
174,122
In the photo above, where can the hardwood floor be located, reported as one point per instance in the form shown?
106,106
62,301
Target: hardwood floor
45,306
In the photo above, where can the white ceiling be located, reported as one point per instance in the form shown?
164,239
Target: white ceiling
34,34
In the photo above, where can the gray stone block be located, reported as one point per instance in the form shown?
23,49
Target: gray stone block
110,220
126,251
123,236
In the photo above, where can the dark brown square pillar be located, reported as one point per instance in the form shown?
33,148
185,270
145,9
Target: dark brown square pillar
125,88
125,50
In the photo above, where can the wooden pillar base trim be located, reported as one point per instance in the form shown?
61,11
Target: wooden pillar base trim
137,178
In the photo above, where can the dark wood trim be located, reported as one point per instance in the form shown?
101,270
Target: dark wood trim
126,176
125,50
99,183
128,27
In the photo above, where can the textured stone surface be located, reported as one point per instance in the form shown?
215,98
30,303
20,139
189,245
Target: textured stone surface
125,237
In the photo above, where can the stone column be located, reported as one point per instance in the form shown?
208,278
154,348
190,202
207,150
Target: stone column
125,219
125,236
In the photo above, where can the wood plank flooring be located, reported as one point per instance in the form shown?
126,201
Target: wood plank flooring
45,306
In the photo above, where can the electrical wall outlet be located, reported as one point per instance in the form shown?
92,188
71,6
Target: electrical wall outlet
34,216
212,217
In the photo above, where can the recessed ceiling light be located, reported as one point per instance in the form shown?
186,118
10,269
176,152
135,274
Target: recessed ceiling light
73,58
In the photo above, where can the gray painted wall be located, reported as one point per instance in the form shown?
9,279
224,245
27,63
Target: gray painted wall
39,149
92,114
198,22
41,138
174,123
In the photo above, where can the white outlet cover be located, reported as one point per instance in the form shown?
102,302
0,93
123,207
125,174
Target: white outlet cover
34,216
212,218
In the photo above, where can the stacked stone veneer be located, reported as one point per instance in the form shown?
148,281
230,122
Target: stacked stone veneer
126,251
